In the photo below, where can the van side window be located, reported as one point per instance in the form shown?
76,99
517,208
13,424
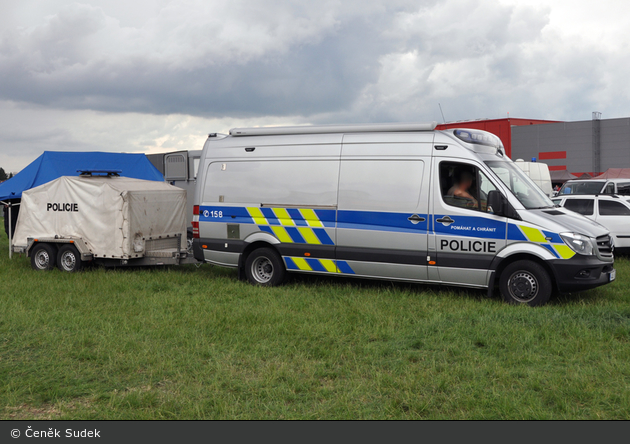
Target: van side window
464,186
582,206
609,208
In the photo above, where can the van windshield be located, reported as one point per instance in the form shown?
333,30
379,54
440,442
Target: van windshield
525,190
587,187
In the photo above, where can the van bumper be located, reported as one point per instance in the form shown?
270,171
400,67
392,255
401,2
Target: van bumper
581,273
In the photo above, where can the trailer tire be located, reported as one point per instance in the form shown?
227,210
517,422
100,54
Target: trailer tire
43,257
69,259
264,267
525,282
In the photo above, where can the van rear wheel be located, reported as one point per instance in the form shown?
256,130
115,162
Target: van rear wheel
43,257
69,259
525,282
264,267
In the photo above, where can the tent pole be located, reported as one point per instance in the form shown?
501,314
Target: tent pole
10,233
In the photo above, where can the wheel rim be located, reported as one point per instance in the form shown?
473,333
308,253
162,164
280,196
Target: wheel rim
523,286
68,261
262,270
42,259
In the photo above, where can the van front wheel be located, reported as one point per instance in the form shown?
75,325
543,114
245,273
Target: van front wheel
264,267
525,282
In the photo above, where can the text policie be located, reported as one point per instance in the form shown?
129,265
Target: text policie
462,245
62,207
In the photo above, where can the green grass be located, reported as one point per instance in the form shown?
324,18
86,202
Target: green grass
188,343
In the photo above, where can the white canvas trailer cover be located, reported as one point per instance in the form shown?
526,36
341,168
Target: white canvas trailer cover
115,216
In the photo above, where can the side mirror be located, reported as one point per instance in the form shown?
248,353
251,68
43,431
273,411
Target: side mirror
497,202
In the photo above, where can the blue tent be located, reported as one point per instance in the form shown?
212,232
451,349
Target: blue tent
54,164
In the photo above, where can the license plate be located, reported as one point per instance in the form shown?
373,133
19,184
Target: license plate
612,275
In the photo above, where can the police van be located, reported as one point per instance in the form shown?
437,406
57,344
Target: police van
399,202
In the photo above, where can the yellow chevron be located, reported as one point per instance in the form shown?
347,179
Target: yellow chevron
311,218
302,264
329,265
533,234
309,236
564,251
283,216
282,235
257,215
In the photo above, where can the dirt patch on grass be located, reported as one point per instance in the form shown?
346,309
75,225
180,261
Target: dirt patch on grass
46,411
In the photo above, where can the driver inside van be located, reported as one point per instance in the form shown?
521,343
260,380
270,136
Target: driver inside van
459,191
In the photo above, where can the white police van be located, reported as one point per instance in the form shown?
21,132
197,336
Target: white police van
395,201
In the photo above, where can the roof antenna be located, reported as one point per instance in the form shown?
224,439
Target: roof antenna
441,112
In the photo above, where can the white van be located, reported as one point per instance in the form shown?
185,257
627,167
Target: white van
538,173
399,202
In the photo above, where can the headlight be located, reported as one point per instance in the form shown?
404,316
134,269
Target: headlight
578,242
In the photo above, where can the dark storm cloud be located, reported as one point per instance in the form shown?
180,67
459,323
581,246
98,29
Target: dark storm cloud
326,61
58,64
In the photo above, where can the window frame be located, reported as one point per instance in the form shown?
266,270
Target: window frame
613,203
477,184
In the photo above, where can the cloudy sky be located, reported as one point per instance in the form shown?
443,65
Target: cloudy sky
158,75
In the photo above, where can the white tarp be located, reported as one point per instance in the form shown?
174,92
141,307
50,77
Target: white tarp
108,213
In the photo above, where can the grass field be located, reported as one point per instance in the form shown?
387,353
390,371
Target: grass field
188,343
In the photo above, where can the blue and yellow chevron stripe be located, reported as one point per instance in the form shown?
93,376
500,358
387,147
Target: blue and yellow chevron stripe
551,241
291,225
319,265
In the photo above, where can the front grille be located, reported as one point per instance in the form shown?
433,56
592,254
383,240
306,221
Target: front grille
604,246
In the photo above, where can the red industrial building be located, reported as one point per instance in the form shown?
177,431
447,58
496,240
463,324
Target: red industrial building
498,127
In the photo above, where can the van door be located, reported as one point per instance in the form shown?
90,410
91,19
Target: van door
382,215
466,234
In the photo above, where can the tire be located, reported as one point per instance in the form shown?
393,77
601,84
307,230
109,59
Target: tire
525,282
264,267
43,257
69,259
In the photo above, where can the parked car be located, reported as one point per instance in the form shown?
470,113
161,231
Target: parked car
611,211
590,186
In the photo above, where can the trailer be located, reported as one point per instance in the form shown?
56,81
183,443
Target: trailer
102,218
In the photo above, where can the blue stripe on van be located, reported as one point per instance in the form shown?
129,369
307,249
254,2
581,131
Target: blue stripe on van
295,235
380,221
551,249
515,233
323,236
290,264
271,217
297,217
327,217
555,237
316,265
266,229
343,267
471,226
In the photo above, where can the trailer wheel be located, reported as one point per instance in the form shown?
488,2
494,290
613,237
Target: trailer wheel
43,257
69,259
525,282
264,267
